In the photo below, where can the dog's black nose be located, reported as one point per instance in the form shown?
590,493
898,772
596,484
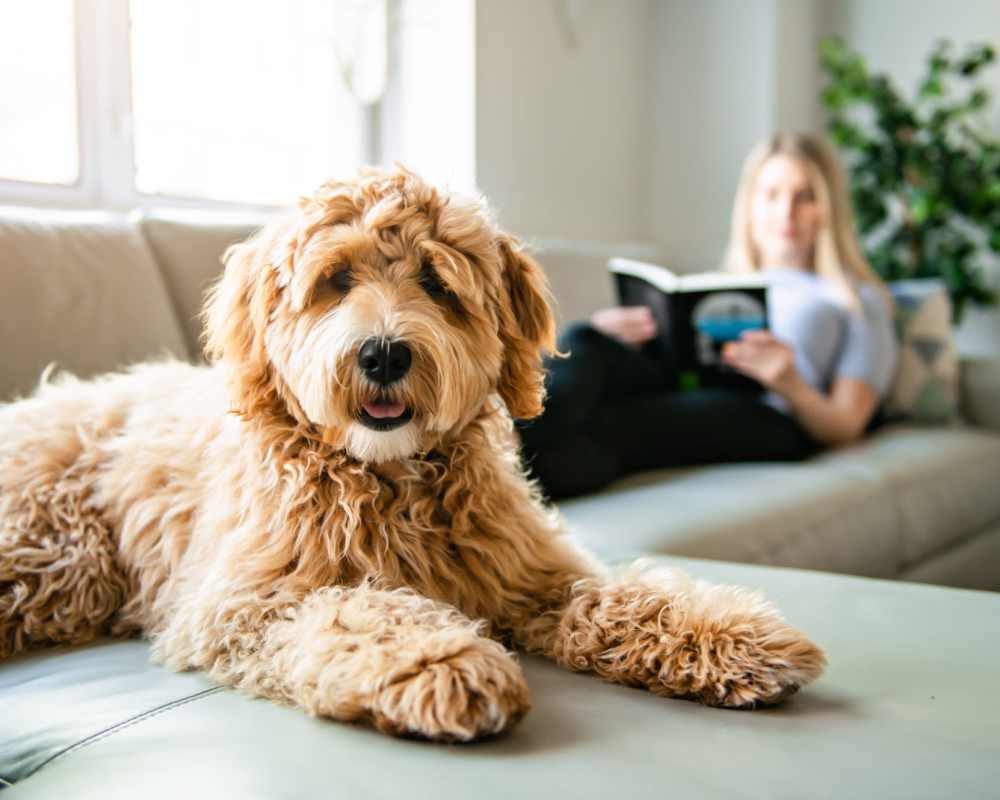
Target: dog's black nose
384,361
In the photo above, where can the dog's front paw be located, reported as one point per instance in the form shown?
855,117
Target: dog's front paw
478,691
678,637
732,648
759,663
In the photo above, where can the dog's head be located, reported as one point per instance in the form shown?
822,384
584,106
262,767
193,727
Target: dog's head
383,314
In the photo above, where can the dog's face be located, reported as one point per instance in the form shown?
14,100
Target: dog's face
383,314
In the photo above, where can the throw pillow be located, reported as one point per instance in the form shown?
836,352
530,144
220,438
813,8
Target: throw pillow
925,388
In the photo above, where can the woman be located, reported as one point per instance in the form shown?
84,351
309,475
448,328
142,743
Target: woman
827,361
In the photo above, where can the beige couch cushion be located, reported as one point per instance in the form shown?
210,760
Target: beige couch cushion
971,564
981,392
782,513
189,248
80,289
944,483
875,509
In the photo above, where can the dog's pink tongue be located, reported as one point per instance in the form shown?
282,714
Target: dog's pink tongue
383,410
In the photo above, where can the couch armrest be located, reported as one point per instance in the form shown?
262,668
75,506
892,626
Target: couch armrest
980,391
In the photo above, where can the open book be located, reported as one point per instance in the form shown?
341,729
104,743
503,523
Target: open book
695,315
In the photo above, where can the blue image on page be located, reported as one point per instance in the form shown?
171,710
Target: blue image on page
723,317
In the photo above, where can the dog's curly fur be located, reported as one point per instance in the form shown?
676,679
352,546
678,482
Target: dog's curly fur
243,517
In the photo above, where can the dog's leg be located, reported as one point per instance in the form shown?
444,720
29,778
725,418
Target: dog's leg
678,637
662,630
409,665
59,581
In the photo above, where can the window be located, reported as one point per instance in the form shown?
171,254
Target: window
38,138
246,100
123,103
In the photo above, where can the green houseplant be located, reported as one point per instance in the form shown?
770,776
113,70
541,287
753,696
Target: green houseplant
924,173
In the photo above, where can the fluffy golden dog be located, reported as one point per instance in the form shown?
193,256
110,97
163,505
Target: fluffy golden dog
333,514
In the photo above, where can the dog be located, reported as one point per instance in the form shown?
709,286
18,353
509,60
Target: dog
333,513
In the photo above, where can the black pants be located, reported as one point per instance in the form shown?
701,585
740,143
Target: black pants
609,413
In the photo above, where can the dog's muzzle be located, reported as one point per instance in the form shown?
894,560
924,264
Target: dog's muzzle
384,362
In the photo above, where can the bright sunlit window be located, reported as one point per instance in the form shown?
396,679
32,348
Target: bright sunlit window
435,121
125,103
38,133
247,100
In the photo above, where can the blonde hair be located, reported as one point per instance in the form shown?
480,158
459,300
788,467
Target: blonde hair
837,256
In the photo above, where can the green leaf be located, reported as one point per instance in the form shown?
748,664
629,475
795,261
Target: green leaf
978,99
932,87
938,59
831,49
834,97
846,135
977,57
939,119
967,68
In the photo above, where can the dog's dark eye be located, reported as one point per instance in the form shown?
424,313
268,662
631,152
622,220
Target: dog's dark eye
431,283
437,291
342,280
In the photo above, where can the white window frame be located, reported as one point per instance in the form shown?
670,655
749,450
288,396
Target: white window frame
106,152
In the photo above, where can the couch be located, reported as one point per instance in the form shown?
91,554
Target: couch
911,676
908,708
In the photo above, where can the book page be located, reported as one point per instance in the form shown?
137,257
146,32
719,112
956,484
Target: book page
660,277
667,281
707,281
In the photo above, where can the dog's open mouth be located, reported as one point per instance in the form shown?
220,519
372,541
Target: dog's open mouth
383,415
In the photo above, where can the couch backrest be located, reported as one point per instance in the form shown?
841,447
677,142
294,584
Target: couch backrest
580,282
81,290
189,247
96,291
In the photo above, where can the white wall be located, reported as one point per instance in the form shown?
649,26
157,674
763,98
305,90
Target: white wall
563,128
711,102
725,76
429,121
636,133
796,71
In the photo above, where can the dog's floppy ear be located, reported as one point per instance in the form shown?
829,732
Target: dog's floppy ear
527,329
235,318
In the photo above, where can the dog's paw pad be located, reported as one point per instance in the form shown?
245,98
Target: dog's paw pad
749,697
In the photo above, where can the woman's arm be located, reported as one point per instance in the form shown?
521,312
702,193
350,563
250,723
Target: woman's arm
837,418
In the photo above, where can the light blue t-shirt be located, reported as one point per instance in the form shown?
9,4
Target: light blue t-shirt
829,339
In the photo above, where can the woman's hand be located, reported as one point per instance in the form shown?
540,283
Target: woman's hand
765,358
835,418
628,324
